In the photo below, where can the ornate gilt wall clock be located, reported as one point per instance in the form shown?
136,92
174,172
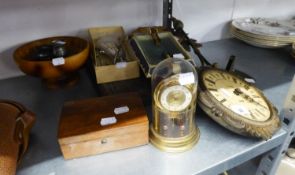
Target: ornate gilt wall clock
236,104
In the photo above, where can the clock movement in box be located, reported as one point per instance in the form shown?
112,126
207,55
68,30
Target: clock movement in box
153,47
112,56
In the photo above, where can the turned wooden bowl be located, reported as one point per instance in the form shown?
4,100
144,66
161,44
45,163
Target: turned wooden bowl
77,53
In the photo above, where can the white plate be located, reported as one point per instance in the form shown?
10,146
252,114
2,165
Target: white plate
259,44
266,26
282,40
262,41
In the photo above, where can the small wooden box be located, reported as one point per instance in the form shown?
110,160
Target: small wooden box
112,72
82,133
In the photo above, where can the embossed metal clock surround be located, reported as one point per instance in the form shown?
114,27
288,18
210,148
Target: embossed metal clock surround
236,104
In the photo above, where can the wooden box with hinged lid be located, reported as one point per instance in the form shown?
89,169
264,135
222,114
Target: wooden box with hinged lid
102,124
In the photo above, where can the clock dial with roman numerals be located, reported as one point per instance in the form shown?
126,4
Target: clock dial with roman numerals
176,98
236,104
237,95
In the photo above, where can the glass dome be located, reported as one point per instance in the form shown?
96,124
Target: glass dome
174,88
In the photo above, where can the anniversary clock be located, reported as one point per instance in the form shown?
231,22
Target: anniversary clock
236,104
174,84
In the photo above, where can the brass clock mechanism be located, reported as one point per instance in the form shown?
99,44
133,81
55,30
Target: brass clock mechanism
236,104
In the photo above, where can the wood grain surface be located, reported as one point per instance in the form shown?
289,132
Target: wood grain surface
78,47
80,132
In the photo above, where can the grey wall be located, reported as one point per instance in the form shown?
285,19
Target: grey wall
205,20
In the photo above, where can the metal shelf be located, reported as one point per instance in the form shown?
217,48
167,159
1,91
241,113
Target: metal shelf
218,149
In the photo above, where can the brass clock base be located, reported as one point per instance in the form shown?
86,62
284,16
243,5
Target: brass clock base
180,144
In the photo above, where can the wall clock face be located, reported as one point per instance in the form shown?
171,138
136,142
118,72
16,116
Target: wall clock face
237,95
235,104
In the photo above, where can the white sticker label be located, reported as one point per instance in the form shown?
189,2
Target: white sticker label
108,121
121,110
186,78
59,42
290,33
120,65
242,110
178,55
225,92
58,61
250,80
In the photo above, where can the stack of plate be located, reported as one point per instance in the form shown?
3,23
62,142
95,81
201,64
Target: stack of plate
293,50
264,32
